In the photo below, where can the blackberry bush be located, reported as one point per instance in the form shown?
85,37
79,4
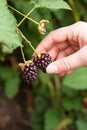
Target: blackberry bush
28,71
42,61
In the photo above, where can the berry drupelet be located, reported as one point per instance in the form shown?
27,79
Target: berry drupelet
42,60
28,71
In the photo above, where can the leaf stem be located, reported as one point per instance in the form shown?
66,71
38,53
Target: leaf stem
23,55
23,15
16,10
27,41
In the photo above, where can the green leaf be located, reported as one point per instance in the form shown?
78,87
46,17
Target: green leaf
11,79
81,124
23,5
52,4
72,103
70,92
32,1
8,25
11,87
7,72
37,123
77,80
52,119
41,104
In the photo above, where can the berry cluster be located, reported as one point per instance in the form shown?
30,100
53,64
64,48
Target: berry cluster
28,70
42,61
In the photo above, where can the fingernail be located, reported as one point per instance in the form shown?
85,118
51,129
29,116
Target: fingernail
52,69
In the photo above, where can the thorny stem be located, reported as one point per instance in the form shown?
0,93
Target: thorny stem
27,41
23,55
23,15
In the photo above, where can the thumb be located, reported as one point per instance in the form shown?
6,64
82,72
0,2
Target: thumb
65,64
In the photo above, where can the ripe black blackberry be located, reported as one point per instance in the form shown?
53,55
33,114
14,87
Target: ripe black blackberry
42,60
28,71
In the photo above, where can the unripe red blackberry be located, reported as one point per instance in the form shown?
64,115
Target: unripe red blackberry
28,71
85,102
42,61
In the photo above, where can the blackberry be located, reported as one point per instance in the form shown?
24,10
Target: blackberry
28,71
42,61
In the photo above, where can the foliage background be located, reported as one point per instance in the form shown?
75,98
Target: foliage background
50,103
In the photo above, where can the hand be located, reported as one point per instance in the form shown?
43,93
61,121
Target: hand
68,48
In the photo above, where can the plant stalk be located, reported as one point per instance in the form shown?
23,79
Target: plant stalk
58,89
74,10
23,15
52,94
23,55
27,41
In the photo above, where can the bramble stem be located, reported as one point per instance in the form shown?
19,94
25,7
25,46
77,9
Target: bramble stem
27,41
16,10
23,15
32,20
23,55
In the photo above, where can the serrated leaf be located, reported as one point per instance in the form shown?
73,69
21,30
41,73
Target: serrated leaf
77,80
52,119
8,25
52,4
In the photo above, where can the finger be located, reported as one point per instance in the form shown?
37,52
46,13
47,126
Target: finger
65,73
65,64
69,72
63,45
70,33
54,37
63,54
56,50
61,74
68,51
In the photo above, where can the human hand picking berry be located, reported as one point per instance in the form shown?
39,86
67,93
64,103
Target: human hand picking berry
68,48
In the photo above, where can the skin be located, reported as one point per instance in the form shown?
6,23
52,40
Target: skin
68,48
